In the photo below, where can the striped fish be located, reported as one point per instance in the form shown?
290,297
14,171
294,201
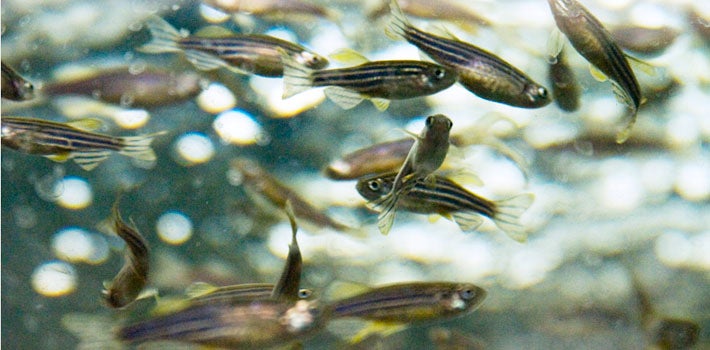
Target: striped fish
14,86
447,198
200,292
378,81
74,140
243,53
594,43
133,276
481,72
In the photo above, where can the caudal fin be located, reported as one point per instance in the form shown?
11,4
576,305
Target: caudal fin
397,26
508,212
165,37
138,147
297,77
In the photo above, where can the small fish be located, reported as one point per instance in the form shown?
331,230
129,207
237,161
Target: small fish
392,306
453,11
565,88
257,181
73,140
426,156
14,86
288,286
279,9
378,81
248,324
149,88
481,72
450,200
243,53
200,292
377,159
594,43
642,40
133,276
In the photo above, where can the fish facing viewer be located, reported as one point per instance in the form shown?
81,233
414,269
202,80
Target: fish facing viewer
74,140
480,72
426,156
594,43
242,53
452,201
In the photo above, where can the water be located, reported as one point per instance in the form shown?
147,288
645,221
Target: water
604,214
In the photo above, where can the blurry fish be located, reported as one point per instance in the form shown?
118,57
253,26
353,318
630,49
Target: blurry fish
62,141
249,324
676,334
15,87
565,88
133,276
149,88
642,40
287,288
447,10
378,81
257,181
200,292
594,43
481,72
405,303
426,156
450,339
377,159
243,53
279,9
448,199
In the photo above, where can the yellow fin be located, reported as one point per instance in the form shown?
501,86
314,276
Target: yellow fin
349,56
384,329
61,157
198,289
434,218
597,74
380,103
214,32
168,305
88,124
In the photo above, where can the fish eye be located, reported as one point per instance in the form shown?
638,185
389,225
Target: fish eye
542,92
439,73
449,124
429,120
304,293
467,293
28,87
373,185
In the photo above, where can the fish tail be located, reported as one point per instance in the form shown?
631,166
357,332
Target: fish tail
508,212
138,147
397,26
297,77
165,37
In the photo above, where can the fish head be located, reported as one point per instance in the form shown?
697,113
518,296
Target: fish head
375,187
438,76
537,95
311,60
437,127
465,297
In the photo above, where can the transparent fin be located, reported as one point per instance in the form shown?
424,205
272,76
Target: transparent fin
442,31
88,124
468,221
555,43
95,332
508,212
297,77
165,37
207,62
348,56
198,289
386,218
642,65
343,97
597,74
138,147
464,176
396,28
380,103
89,160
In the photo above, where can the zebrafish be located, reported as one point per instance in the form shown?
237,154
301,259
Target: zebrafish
245,324
565,88
452,201
276,9
200,292
481,72
260,184
243,53
133,276
73,140
378,81
426,156
14,86
594,43
289,282
453,11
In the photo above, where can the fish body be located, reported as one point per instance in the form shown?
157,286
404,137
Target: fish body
379,81
14,86
288,285
595,44
565,88
248,324
62,141
149,88
410,302
133,276
284,9
201,293
377,159
642,40
447,198
244,53
259,182
426,156
481,72
452,11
